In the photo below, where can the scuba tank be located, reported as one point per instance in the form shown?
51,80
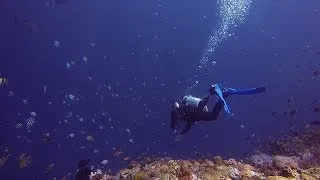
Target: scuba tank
193,102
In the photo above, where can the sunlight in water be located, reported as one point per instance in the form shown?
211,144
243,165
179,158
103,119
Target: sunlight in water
232,13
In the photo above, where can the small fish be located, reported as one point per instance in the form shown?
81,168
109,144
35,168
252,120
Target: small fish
117,152
47,137
90,138
45,89
49,169
24,160
4,159
3,82
104,162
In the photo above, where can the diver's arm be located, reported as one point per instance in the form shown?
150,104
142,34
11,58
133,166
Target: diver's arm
174,118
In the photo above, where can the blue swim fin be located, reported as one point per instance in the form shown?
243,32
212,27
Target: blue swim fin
220,94
248,91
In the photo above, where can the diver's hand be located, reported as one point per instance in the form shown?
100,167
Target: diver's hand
212,89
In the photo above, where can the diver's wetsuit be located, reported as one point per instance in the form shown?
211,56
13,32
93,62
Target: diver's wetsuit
190,114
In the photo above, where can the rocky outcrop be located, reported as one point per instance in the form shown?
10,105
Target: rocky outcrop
291,157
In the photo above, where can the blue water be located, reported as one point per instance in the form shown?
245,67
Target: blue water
146,56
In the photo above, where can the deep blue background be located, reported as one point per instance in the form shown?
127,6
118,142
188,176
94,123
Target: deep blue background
147,52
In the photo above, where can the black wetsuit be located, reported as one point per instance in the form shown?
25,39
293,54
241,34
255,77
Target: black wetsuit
190,114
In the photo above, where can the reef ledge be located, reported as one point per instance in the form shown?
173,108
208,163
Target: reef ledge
293,156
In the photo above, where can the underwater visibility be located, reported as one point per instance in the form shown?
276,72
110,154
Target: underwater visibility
160,90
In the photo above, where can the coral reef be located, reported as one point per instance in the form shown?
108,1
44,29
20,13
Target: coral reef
166,168
293,156
304,146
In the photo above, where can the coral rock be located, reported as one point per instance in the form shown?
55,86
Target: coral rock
277,178
218,161
310,174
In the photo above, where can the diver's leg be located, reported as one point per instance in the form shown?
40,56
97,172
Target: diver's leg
206,98
174,118
204,101
216,110
211,116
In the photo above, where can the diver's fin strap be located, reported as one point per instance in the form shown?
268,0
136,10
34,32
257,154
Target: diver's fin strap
219,92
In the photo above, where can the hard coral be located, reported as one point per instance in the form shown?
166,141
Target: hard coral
310,174
168,176
218,161
185,175
277,178
183,172
99,175
287,158
282,161
261,160
141,176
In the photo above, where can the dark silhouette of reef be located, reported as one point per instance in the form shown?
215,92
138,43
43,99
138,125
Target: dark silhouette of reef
292,156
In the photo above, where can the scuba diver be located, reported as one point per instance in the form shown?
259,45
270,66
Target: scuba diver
192,109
